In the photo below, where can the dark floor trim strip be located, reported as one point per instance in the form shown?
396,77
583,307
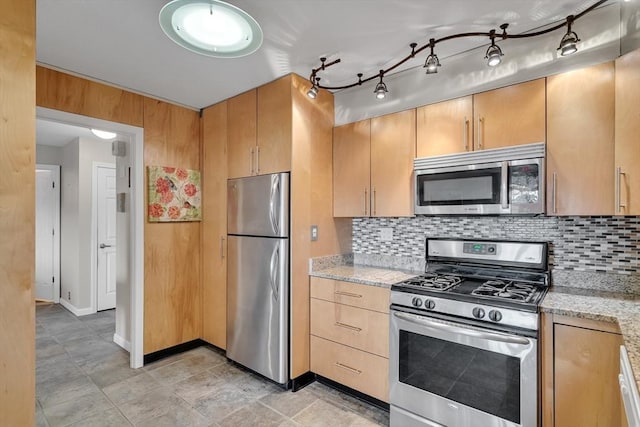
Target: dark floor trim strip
180,348
302,381
355,393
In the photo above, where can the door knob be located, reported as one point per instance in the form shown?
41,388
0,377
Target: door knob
102,246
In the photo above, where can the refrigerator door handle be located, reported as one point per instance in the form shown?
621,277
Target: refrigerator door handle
274,203
274,269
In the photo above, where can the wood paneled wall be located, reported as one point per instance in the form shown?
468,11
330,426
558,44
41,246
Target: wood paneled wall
172,294
17,210
172,289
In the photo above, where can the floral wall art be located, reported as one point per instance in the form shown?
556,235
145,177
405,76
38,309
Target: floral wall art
174,194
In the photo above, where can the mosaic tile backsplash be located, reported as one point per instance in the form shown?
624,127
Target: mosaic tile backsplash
592,244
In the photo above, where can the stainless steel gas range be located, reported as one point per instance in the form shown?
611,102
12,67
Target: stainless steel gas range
464,336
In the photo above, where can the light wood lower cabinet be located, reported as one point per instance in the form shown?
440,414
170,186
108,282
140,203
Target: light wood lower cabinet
580,364
354,368
350,335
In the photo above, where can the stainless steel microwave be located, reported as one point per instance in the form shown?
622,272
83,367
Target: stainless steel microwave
489,182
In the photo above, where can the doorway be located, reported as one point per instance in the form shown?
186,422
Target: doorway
129,189
105,230
47,271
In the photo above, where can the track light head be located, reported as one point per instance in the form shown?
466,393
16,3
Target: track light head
381,88
432,63
494,53
569,40
313,92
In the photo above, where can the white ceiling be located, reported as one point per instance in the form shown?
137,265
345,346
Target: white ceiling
120,41
59,134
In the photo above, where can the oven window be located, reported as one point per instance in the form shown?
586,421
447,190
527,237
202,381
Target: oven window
481,379
524,184
474,187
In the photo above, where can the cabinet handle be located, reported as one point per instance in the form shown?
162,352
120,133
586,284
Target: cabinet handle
347,294
619,204
258,160
348,368
221,247
504,185
554,206
480,129
352,328
465,134
365,202
251,159
374,201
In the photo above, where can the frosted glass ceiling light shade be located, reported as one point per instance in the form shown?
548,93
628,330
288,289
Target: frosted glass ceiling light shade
103,134
211,28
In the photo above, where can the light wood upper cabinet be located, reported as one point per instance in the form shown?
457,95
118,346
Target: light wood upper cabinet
511,115
580,141
627,134
581,362
273,145
241,128
393,149
351,169
445,127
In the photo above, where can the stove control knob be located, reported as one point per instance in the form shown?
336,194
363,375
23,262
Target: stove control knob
417,302
478,313
429,304
495,315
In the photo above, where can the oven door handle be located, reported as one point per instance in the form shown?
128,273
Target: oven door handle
492,336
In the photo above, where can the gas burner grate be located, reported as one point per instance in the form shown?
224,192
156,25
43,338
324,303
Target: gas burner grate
433,281
504,289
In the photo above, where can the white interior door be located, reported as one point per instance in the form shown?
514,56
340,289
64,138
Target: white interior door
47,233
106,197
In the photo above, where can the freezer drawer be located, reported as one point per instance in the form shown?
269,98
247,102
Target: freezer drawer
258,305
258,205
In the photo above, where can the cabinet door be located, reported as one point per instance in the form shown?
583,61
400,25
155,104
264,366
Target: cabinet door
351,162
445,127
274,127
580,139
393,149
586,377
241,134
214,224
511,115
627,130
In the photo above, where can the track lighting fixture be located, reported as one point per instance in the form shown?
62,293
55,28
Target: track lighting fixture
493,55
313,92
381,88
432,63
569,40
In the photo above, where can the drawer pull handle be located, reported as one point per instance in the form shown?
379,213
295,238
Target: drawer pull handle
348,368
344,325
348,294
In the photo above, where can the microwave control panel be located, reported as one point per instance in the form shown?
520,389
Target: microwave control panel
479,248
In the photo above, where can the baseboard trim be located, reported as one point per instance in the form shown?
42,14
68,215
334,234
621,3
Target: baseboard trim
302,381
180,348
122,342
74,310
355,393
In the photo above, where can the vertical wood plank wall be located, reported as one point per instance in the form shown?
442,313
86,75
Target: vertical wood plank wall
172,289
17,210
172,295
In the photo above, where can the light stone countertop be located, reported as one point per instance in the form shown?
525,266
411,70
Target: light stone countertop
372,276
623,309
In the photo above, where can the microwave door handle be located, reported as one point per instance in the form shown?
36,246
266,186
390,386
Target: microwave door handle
504,186
461,331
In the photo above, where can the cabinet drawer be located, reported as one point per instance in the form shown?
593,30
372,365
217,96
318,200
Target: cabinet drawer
357,369
363,329
354,294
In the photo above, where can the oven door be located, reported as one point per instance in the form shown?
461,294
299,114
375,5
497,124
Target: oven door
457,375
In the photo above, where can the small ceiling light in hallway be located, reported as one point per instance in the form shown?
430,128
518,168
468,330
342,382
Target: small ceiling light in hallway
103,134
211,28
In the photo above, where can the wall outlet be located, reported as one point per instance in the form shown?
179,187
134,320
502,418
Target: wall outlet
386,234
69,296
314,233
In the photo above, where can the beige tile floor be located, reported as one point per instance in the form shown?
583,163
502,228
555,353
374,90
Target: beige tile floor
84,379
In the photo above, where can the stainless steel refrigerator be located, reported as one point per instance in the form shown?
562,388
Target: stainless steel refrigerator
258,274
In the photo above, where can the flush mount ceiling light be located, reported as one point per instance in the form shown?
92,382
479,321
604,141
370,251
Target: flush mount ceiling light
103,134
493,55
211,28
